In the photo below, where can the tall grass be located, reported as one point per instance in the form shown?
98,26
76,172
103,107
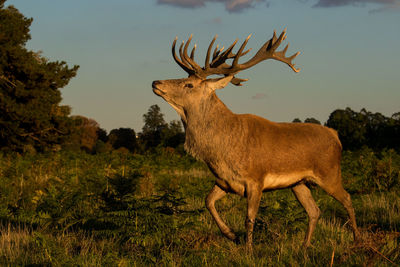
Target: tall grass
138,210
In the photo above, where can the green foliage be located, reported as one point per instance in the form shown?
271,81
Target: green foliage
364,128
30,111
366,171
123,137
73,208
173,135
312,120
293,217
153,120
84,134
153,125
350,126
156,132
70,208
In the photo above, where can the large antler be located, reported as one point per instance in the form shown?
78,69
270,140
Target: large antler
218,63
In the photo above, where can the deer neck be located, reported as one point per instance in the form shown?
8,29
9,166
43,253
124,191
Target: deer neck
207,124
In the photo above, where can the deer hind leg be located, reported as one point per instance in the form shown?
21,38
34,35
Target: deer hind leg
253,193
305,198
215,194
336,190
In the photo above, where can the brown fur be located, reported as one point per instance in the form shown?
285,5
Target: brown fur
249,154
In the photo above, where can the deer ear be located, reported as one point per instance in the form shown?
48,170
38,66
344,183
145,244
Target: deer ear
219,83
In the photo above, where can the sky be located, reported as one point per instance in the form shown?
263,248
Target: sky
349,53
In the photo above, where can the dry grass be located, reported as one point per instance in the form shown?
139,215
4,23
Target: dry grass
383,209
188,237
21,246
14,243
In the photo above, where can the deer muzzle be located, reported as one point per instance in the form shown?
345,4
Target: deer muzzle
156,90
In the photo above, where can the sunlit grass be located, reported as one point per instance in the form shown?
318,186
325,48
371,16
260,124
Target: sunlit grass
44,201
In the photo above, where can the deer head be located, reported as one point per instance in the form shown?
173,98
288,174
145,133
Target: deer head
190,91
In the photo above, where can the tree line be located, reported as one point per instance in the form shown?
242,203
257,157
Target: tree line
89,136
364,128
33,119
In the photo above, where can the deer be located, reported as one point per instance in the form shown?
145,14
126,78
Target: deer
248,154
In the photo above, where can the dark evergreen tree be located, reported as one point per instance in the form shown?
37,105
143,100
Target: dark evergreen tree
312,120
123,137
30,111
364,128
102,135
394,131
154,125
153,120
351,127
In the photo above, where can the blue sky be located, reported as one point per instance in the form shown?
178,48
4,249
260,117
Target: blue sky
349,53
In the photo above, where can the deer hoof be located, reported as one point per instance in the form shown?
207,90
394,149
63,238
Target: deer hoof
230,235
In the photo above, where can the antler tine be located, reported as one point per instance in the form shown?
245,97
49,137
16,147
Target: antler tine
295,55
237,81
227,54
238,54
182,57
187,43
288,60
279,41
285,49
218,63
272,40
281,55
192,53
207,62
268,50
245,52
216,53
230,48
187,58
219,56
177,60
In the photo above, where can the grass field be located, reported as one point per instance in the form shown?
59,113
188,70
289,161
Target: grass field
120,209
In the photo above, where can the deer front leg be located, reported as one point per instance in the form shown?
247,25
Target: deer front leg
215,194
253,202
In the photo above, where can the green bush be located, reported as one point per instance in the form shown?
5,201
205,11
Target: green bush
119,208
366,171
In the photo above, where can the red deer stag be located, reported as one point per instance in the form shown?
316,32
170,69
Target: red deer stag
246,153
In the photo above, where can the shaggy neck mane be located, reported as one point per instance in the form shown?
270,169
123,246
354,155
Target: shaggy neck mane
209,125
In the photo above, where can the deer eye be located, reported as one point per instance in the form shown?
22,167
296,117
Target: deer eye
188,85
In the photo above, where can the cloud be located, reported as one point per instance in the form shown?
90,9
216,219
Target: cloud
259,96
237,6
217,20
336,3
182,3
389,7
233,6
